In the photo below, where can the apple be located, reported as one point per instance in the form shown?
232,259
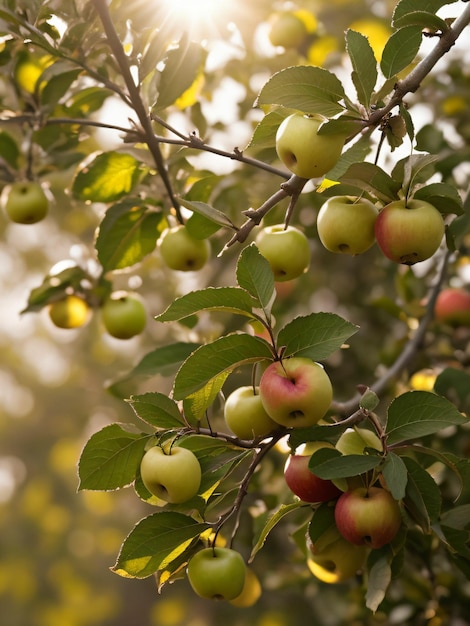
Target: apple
301,480
251,591
453,307
333,559
287,30
69,312
286,249
217,573
123,315
356,440
296,392
172,474
245,415
345,224
25,202
409,232
368,516
181,251
302,150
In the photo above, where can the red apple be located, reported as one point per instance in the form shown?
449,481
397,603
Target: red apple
453,307
301,480
409,232
296,392
368,516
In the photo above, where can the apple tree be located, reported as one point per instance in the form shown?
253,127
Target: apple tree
278,198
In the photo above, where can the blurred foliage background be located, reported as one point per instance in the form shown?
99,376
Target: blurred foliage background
56,545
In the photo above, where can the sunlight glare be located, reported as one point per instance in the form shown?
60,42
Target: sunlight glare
196,17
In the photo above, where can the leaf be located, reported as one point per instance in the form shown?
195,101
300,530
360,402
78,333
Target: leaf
127,233
54,287
378,581
418,414
271,522
157,409
329,464
457,540
406,7
225,299
400,50
109,177
111,458
424,19
56,80
264,135
374,180
457,517
315,336
443,196
454,384
222,355
354,154
196,405
422,498
364,64
209,212
396,475
9,150
155,542
254,274
305,88
414,170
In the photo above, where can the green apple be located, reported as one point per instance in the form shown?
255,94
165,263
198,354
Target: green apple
306,485
296,392
25,202
251,591
245,415
356,440
409,232
287,30
124,315
217,573
286,249
453,307
333,559
172,474
302,150
69,312
368,516
181,251
345,224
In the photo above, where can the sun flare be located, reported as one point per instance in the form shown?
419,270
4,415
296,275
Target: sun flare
200,17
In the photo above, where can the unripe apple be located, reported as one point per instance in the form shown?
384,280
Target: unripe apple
303,482
251,591
217,573
345,224
302,150
286,249
245,415
123,315
172,474
181,251
356,440
453,307
296,392
368,516
287,30
409,232
333,559
70,312
25,202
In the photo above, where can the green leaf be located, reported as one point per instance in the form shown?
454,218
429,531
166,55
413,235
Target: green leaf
155,542
264,135
196,405
364,75
225,299
414,170
109,177
111,458
271,522
211,360
374,180
443,196
330,464
454,384
304,88
87,101
56,80
406,7
422,498
457,517
9,150
457,540
127,233
354,154
254,274
424,19
54,287
378,581
157,409
420,413
182,66
396,475
315,336
209,212
400,50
